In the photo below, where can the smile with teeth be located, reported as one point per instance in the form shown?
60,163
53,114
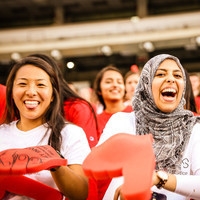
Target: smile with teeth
169,92
31,104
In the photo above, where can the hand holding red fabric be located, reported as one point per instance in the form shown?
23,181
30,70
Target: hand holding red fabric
29,160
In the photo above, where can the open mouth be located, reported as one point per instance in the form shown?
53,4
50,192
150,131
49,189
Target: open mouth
169,92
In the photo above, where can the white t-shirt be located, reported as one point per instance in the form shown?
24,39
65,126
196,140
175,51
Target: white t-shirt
125,123
74,146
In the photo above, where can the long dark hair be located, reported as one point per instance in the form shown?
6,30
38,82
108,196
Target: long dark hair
98,79
53,116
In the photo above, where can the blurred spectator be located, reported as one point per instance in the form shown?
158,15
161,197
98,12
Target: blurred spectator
131,79
189,95
110,90
195,81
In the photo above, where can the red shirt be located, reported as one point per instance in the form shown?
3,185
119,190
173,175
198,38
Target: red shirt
79,113
2,100
197,101
103,118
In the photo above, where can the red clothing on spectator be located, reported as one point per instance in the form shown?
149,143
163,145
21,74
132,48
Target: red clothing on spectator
197,101
79,113
2,100
103,118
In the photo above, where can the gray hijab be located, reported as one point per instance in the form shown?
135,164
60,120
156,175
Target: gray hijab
171,131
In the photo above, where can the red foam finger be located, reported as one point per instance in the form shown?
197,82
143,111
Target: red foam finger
123,154
29,160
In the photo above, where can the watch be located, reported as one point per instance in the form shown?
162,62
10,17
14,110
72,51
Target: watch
163,176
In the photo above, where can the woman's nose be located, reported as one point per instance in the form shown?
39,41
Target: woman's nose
170,79
31,91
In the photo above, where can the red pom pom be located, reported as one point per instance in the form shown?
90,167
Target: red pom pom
134,68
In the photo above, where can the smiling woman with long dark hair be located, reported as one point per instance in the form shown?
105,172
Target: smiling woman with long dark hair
34,117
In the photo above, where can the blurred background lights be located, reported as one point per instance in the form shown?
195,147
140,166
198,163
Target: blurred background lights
198,40
15,56
106,50
70,65
56,54
135,19
148,46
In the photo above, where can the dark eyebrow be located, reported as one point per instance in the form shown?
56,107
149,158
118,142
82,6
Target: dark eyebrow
27,79
177,70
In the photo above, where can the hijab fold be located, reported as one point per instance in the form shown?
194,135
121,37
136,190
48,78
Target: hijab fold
171,131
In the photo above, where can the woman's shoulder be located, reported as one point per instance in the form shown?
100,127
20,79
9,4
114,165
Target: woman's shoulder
124,116
120,122
9,126
71,126
73,135
196,127
195,136
71,129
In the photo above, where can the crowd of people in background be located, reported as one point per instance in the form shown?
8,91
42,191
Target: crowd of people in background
49,110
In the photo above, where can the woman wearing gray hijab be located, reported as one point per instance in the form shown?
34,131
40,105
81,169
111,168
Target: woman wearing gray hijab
158,105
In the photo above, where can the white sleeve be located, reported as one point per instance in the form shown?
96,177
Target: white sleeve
75,146
188,185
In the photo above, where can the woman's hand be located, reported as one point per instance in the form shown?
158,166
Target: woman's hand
170,183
